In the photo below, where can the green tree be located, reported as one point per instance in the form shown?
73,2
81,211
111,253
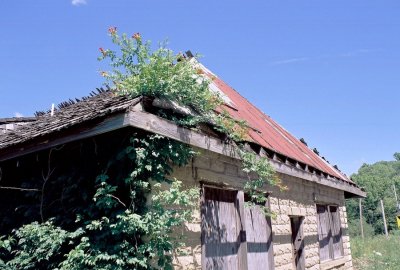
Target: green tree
379,181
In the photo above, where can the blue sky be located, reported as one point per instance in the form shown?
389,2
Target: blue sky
328,71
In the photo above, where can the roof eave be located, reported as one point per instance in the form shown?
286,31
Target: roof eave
138,118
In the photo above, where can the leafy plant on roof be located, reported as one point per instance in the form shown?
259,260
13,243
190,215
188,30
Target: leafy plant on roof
162,73
136,70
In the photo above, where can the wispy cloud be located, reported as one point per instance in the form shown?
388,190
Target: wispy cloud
324,57
289,61
78,2
17,114
356,52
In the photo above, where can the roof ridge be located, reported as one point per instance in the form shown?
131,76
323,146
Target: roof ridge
65,104
17,119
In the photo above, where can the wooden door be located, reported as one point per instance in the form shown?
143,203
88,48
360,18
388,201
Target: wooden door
296,223
259,239
337,245
324,232
221,229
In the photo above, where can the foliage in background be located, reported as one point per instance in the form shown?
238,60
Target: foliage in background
136,220
378,180
354,228
377,253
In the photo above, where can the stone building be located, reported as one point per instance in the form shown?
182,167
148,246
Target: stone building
307,231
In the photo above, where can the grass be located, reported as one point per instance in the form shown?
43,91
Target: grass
378,252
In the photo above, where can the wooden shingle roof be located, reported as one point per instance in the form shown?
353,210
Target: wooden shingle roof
97,106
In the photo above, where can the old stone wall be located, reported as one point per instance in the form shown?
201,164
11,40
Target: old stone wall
299,199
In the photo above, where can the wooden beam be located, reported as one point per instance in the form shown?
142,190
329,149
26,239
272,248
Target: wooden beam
292,171
220,179
361,218
242,250
153,123
384,219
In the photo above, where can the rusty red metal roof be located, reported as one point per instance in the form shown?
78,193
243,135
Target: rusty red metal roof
266,132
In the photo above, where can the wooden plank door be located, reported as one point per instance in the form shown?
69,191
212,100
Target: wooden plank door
296,223
324,232
222,230
337,244
259,239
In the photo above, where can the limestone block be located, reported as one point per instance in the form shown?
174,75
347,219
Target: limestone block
191,258
217,166
345,238
313,267
284,210
273,200
310,230
312,252
307,196
297,211
275,208
193,227
203,162
310,219
282,219
283,202
231,169
346,245
284,259
348,265
184,174
285,267
311,262
293,203
282,249
282,229
241,173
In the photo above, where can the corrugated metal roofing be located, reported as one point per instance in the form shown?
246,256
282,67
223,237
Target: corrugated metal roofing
267,133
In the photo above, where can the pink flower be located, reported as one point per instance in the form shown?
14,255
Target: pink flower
112,30
137,36
103,52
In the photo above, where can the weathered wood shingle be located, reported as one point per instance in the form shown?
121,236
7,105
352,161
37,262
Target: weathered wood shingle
97,106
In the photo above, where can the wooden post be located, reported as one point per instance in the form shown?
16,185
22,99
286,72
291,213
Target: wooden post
361,219
242,251
384,219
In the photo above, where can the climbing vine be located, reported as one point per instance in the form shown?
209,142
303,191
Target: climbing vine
136,220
